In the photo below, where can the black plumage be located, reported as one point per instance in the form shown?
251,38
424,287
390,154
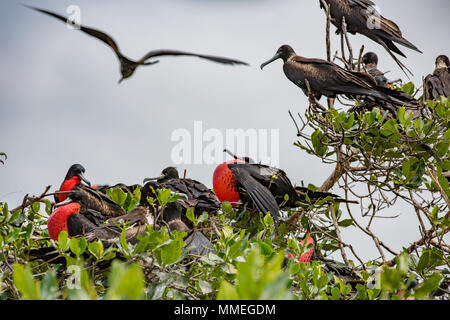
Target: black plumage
195,241
127,65
95,209
269,188
329,79
370,61
361,16
437,84
197,195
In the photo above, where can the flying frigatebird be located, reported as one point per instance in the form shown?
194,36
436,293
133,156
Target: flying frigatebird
128,66
362,16
329,79
437,84
267,187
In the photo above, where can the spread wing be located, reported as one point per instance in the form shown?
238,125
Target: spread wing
158,53
90,31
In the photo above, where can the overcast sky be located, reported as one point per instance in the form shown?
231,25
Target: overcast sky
60,102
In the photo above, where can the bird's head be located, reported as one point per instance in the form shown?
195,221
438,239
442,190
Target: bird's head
127,69
76,172
166,174
73,178
442,62
284,52
370,58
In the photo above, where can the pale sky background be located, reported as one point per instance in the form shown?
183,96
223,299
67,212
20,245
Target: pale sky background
60,102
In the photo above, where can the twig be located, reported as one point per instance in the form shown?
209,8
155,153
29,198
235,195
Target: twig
27,201
338,234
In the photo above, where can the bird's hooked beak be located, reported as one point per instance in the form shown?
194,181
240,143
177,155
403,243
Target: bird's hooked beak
81,176
161,176
275,57
63,203
121,79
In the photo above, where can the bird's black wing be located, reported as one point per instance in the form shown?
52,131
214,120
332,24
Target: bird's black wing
90,31
260,195
437,84
361,3
348,82
158,53
98,201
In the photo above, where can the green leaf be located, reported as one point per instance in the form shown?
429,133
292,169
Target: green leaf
125,282
63,241
345,223
25,283
316,140
77,245
408,88
401,115
429,285
191,216
49,286
389,128
96,249
203,217
171,251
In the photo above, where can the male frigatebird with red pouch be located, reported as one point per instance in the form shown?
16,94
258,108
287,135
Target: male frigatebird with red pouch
73,178
82,211
238,180
308,245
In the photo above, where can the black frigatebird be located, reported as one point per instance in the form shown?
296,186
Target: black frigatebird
437,84
370,61
82,211
362,16
195,241
128,66
310,253
329,79
73,178
198,196
265,186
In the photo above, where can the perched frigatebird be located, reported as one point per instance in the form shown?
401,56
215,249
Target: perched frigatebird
267,187
79,219
308,247
438,83
329,79
84,210
309,254
370,60
73,178
198,196
195,241
128,66
361,16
